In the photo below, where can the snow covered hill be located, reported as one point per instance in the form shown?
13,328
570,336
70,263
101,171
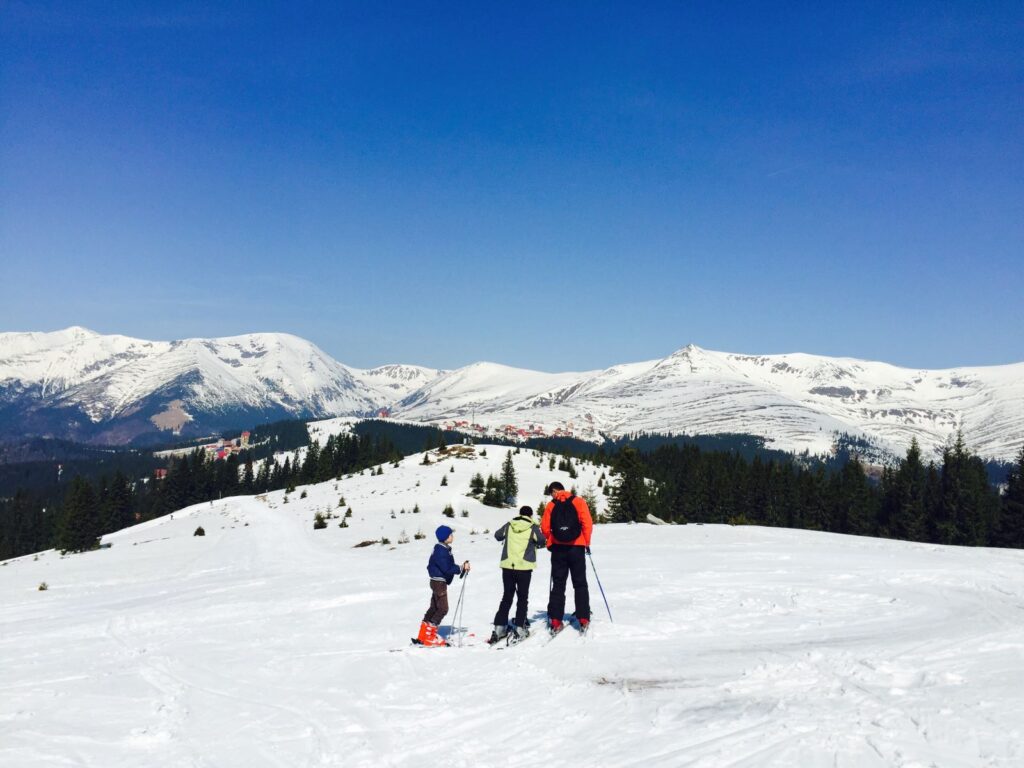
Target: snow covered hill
77,384
266,643
81,385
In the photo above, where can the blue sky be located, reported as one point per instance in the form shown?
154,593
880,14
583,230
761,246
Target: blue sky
561,187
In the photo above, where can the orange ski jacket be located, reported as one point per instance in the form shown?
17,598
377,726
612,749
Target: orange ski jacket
586,521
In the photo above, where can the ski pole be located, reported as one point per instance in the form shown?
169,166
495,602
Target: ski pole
599,586
462,613
458,606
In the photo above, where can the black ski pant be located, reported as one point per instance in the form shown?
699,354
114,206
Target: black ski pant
515,583
568,560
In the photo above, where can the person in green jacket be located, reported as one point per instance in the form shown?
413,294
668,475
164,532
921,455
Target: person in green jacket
521,536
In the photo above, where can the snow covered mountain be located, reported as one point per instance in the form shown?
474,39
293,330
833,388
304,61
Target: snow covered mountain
268,643
799,402
80,385
394,382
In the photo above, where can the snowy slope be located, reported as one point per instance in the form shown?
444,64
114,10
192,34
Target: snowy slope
266,643
78,384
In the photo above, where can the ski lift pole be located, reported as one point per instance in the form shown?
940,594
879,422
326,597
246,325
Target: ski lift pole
603,596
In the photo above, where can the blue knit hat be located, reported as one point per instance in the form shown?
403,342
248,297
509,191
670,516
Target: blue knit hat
443,532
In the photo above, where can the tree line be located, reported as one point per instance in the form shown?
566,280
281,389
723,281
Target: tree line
91,508
950,501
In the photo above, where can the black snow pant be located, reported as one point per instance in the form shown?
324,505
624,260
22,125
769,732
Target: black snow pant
438,603
566,560
515,583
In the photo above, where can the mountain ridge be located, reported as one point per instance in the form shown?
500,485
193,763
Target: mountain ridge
78,384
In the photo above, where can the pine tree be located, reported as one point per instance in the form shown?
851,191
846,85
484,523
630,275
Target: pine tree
589,495
903,497
933,504
493,493
476,484
1009,531
262,483
25,526
854,512
509,484
116,505
630,498
968,505
248,480
285,478
325,467
80,525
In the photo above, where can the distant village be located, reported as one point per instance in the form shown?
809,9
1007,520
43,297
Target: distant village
510,431
215,451
223,448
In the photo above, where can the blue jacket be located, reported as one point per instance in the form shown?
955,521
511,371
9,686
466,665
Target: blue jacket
442,565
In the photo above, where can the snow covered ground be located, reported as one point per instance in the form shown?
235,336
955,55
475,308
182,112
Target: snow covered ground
266,643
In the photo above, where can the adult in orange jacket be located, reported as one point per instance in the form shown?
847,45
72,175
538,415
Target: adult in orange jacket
567,525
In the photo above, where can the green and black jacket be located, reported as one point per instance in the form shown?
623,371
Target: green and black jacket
522,537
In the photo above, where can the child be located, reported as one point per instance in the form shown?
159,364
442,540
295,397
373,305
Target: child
518,559
442,570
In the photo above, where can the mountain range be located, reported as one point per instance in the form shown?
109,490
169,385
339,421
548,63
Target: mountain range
107,389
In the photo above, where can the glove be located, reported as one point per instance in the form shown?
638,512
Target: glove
588,549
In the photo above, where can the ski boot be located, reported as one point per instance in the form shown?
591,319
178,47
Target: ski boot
424,634
433,640
518,635
499,632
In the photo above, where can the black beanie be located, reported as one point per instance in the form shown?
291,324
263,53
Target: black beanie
555,486
526,511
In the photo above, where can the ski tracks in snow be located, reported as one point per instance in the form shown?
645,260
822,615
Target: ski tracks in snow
268,645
